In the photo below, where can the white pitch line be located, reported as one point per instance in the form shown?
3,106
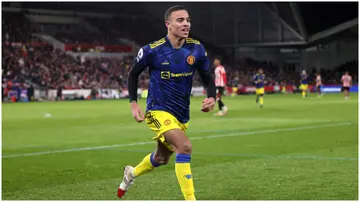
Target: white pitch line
194,138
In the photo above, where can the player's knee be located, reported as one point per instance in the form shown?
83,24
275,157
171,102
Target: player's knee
185,148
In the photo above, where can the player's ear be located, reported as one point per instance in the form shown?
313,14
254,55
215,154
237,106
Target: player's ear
167,24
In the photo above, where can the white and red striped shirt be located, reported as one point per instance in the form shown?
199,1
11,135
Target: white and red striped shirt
220,76
346,80
318,81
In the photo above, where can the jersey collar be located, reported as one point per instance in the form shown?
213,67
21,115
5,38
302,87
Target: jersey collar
167,39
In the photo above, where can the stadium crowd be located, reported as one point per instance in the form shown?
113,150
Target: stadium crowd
47,68
31,63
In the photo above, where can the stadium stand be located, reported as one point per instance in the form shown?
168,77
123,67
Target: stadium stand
28,60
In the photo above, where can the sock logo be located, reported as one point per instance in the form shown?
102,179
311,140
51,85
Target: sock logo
188,176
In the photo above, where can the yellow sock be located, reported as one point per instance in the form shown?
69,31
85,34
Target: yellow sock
184,176
261,100
146,165
303,94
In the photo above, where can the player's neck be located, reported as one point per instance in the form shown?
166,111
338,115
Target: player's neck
176,42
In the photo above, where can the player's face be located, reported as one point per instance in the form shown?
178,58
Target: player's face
261,71
216,62
178,24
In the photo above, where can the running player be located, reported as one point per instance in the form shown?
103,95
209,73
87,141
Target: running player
346,84
318,82
235,84
259,80
172,62
304,83
220,83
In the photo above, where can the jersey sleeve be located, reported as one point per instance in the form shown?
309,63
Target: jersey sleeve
204,68
204,62
141,61
144,56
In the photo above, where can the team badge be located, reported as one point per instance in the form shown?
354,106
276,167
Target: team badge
190,60
167,122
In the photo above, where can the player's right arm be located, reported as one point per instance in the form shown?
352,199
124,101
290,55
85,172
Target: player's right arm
139,65
255,79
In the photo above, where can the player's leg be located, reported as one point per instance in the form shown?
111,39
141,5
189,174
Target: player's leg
160,157
261,100
303,91
180,143
257,93
234,91
156,122
218,99
155,159
261,96
220,104
220,94
224,107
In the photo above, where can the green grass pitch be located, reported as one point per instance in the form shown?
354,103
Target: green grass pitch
290,149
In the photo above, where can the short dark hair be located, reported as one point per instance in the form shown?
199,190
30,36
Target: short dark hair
172,9
217,58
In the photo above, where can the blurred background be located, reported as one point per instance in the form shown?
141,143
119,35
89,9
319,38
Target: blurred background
51,50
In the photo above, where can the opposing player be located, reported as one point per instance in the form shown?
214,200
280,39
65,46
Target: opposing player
318,83
304,83
220,83
259,80
172,62
346,84
235,84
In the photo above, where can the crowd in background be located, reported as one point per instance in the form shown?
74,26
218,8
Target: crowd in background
31,63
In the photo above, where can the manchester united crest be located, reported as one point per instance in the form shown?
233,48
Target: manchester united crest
190,60
167,122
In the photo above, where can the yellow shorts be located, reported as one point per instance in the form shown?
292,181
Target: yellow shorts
161,122
234,89
260,91
304,87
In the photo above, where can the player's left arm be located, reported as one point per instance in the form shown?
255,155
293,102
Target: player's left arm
204,69
264,79
255,79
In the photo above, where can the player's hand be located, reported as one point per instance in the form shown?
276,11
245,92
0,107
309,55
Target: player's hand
208,104
138,114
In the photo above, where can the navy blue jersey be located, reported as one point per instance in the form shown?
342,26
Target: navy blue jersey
259,79
171,74
304,79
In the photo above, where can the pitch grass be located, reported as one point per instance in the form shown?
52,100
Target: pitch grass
304,163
